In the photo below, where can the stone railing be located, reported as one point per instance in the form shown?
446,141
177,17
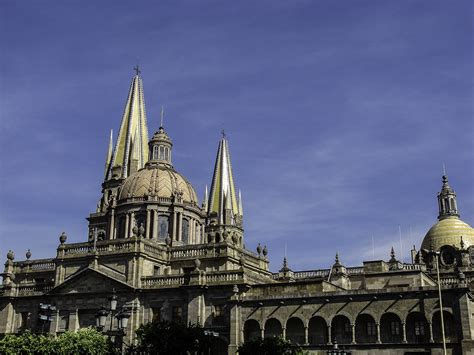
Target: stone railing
34,265
191,252
163,281
32,290
323,273
355,270
420,267
224,277
112,246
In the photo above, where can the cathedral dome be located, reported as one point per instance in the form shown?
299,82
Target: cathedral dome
448,231
158,180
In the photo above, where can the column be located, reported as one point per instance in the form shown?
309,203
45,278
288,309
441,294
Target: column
404,332
127,223
112,224
174,236
132,223
284,332
155,224
353,334
180,229
329,335
430,326
378,333
147,228
306,342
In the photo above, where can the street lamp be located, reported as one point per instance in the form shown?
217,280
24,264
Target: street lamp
122,316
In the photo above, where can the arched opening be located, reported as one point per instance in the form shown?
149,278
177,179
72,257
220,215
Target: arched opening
365,329
273,328
449,327
417,328
252,330
295,331
317,331
341,329
390,328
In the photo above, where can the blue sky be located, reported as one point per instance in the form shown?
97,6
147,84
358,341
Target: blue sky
340,114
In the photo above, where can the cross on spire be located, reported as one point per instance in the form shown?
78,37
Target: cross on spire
161,116
137,70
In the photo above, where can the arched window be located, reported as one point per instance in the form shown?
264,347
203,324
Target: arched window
417,328
162,152
167,154
341,329
317,331
390,328
449,327
251,330
121,227
155,152
273,328
365,329
295,331
185,231
162,227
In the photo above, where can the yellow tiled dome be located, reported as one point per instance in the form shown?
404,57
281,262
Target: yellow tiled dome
448,231
158,180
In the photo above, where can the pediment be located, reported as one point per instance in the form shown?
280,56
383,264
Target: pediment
90,280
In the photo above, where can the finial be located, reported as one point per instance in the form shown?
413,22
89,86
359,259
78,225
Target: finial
28,254
444,170
392,255
285,263
137,70
223,134
161,116
10,255
337,258
462,243
62,238
259,249
265,251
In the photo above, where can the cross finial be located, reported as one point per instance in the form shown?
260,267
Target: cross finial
444,169
223,133
137,70
161,116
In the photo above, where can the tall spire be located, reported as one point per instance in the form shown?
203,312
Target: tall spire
109,154
131,149
447,203
222,188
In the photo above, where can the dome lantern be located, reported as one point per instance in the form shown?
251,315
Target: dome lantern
447,201
160,147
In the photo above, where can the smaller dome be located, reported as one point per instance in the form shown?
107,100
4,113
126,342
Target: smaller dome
159,180
448,231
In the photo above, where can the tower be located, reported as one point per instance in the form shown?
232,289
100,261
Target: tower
224,210
447,201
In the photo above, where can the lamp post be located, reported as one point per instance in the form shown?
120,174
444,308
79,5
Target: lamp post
122,316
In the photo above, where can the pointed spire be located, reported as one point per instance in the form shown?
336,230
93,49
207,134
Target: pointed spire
241,210
133,133
162,114
205,200
392,256
336,260
108,159
447,203
223,194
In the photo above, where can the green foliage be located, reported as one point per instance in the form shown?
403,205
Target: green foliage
163,338
269,346
84,342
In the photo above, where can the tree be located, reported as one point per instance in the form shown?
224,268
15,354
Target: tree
85,341
269,346
163,338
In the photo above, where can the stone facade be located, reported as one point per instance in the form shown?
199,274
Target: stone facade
167,257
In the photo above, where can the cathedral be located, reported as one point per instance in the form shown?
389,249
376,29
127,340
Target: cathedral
155,252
